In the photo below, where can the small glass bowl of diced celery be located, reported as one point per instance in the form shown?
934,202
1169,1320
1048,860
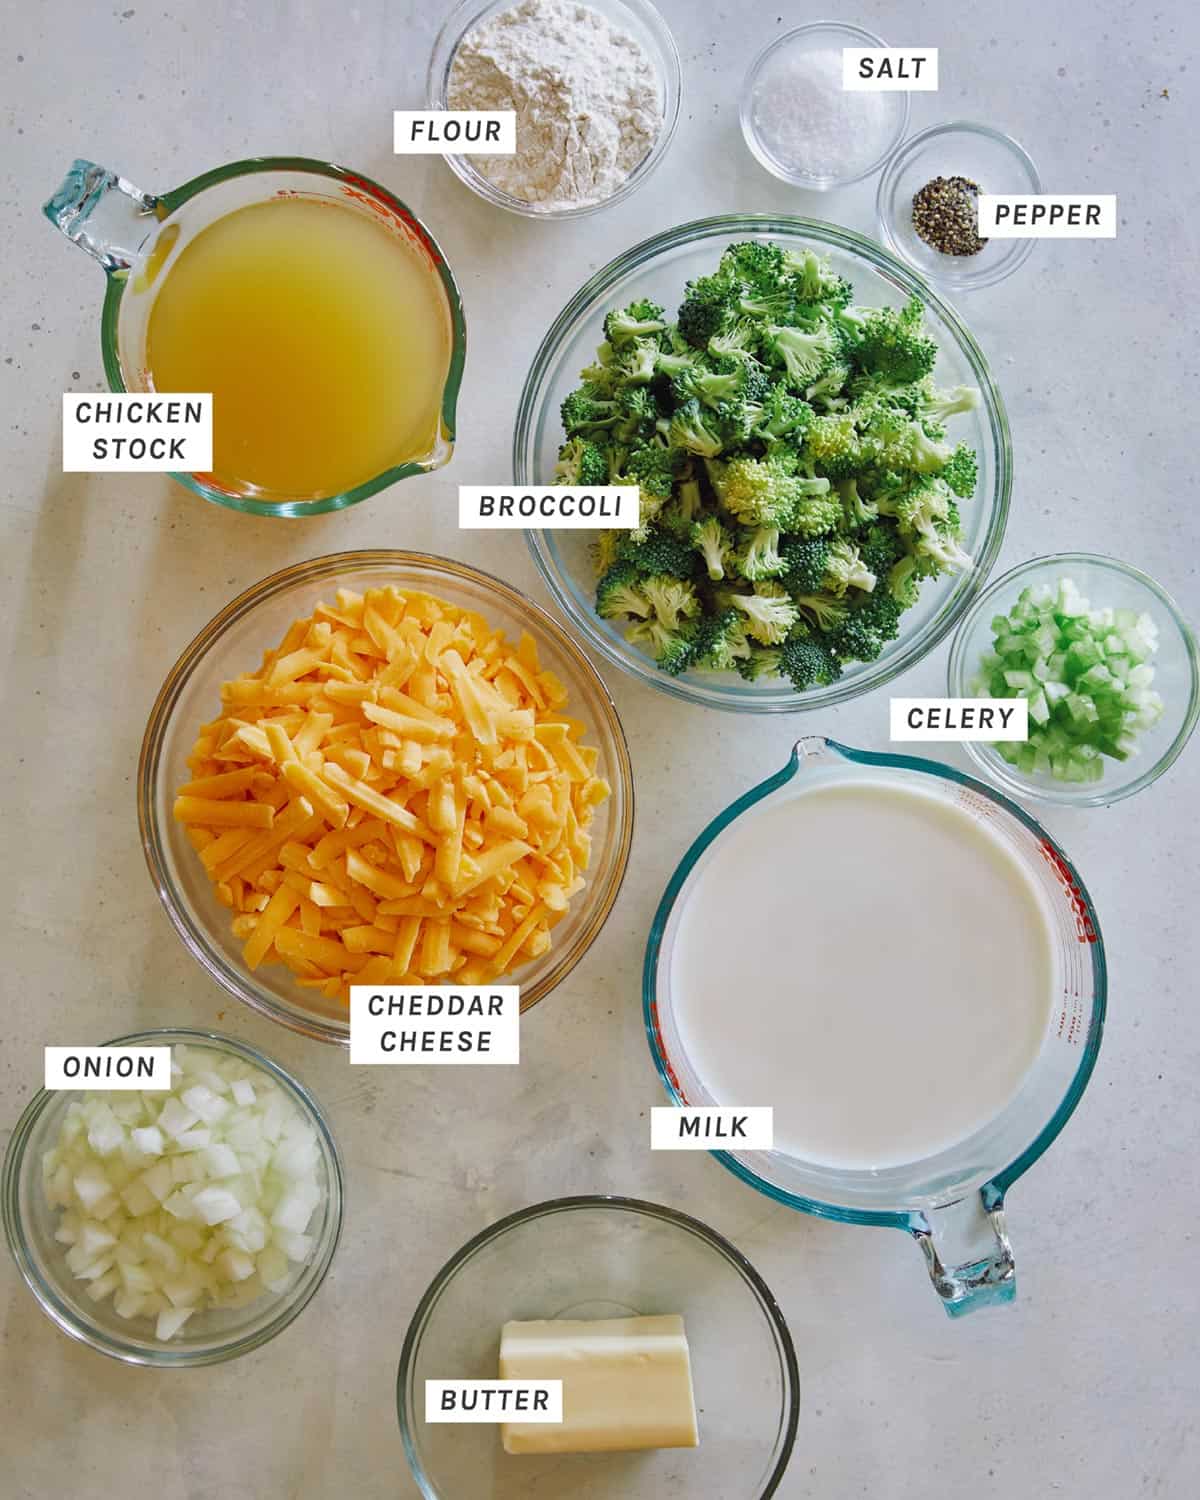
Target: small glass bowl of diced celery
176,1227
1108,667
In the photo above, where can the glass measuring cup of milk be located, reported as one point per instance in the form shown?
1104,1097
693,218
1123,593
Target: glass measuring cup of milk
352,380
952,1200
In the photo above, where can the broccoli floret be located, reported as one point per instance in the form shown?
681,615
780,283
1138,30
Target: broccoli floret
737,342
618,594
763,661
829,391
804,563
844,570
657,552
901,444
961,472
672,599
673,650
776,305
587,410
832,443
783,415
935,405
814,280
581,462
755,262
808,663
692,428
655,467
762,491
709,386
857,509
770,614
634,322
891,342
904,582
868,627
676,361
815,514
918,504
938,549
714,543
638,415
879,547
720,641
605,548
639,361
826,613
709,306
805,356
758,556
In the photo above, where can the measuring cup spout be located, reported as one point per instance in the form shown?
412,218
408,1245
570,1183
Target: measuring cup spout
967,1251
103,213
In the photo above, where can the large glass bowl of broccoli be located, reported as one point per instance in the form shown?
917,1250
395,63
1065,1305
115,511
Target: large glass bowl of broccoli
823,458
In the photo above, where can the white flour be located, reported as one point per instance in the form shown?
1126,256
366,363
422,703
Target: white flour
586,96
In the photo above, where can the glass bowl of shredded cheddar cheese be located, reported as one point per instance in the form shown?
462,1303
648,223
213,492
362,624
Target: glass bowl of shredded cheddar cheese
383,768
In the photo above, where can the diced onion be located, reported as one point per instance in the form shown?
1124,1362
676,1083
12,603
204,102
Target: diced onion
178,1201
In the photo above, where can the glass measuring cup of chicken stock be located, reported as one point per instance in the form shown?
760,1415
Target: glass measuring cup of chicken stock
372,258
951,1202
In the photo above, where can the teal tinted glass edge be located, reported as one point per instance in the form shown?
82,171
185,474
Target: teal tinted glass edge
458,335
996,1187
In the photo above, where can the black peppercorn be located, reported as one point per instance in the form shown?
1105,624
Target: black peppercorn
946,215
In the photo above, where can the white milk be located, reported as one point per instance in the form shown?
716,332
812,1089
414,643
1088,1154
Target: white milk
871,961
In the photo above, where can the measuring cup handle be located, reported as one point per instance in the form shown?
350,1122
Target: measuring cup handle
103,214
967,1251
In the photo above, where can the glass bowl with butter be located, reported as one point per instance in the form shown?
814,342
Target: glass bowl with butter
629,1300
233,643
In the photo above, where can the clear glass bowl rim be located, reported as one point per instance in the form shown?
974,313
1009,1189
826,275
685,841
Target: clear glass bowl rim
890,666
168,1358
455,27
996,1186
966,279
671,1216
328,566
1088,795
750,135
251,166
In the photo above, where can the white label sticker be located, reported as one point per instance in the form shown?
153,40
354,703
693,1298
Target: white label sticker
493,1401
457,132
1048,216
960,719
440,1024
489,507
890,68
712,1128
147,1068
137,433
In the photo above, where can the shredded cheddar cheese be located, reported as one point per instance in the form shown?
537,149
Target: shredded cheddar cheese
396,796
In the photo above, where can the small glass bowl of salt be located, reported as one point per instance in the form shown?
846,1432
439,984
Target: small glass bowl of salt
800,123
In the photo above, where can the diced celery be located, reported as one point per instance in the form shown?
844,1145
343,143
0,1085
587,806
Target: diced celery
1084,674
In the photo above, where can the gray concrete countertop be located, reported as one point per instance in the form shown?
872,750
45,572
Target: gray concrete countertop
1087,1386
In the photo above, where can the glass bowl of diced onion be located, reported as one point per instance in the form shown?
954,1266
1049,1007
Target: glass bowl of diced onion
1149,652
82,1299
234,642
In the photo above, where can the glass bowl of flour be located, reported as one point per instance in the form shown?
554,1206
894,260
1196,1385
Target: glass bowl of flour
595,87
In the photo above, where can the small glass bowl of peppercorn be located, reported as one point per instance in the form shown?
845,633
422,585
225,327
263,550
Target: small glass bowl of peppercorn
927,208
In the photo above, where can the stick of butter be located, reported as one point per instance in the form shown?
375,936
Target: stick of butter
627,1384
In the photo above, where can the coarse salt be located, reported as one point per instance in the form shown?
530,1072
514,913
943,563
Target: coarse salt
813,127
